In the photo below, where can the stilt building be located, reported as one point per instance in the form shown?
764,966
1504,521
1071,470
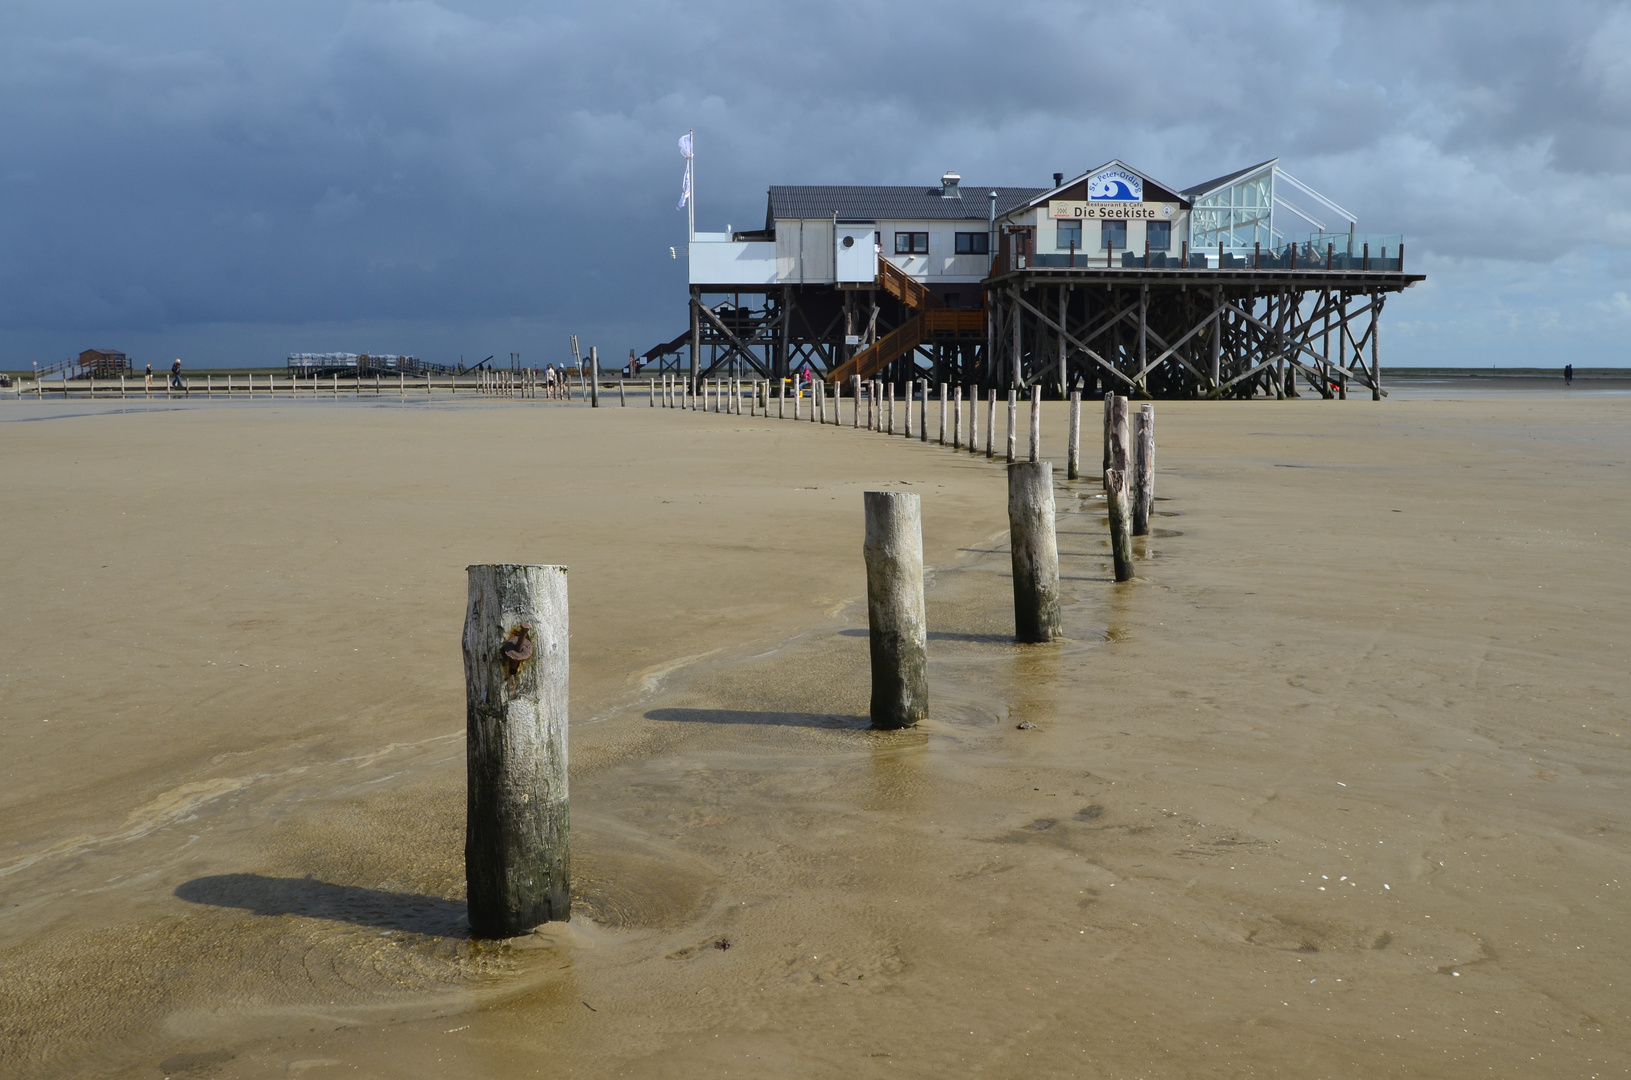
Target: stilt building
1249,283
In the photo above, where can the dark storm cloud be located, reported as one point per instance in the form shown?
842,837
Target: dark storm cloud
432,171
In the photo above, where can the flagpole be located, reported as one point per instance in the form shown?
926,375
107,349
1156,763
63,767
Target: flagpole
691,203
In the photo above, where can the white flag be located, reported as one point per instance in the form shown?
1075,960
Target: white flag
685,184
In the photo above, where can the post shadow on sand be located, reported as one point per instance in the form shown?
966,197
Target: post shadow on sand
411,913
834,721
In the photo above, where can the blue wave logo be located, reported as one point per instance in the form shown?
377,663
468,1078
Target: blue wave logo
1115,185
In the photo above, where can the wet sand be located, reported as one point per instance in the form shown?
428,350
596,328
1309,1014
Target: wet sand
1337,787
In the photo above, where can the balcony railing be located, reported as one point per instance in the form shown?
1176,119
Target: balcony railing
1321,251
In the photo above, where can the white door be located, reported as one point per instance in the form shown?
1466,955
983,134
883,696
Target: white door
853,252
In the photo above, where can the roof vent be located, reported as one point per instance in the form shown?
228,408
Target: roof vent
1058,179
948,186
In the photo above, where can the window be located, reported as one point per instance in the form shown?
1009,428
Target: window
1112,234
911,243
1158,235
1068,236
973,243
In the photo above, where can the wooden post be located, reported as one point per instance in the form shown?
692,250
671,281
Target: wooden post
516,854
1116,482
942,415
1109,435
594,377
1035,549
1073,452
1375,348
651,401
909,389
957,418
897,630
798,401
781,399
1143,481
857,398
1036,421
121,386
890,392
1013,421
922,413
837,404
991,423
622,394
973,419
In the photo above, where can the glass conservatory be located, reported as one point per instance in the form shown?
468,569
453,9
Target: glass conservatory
1265,217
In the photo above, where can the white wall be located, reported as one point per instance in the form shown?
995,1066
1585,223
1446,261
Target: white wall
732,263
804,251
941,264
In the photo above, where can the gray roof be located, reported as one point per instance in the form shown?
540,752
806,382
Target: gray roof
868,203
1193,193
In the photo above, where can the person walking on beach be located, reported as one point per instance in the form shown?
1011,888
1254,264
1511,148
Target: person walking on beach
549,381
175,374
1568,374
149,380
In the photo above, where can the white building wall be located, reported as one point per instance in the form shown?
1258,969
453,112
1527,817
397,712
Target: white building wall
804,251
728,262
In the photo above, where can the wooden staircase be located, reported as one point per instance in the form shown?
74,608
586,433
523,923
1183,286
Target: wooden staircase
931,317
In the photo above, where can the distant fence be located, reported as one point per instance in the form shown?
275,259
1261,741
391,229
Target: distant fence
303,386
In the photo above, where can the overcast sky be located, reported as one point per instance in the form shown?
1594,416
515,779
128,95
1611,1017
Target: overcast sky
230,182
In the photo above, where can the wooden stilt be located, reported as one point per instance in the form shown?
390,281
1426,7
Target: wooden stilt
517,856
1035,551
991,424
1073,452
897,631
1117,479
1036,421
1143,485
1013,422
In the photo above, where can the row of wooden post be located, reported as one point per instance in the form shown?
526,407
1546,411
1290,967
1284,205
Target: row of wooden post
1129,443
517,842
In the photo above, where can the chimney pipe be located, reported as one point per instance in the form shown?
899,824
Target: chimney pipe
1058,179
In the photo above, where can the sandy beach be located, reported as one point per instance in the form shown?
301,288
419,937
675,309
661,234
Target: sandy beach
1337,787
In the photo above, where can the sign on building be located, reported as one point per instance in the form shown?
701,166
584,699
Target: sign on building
1115,184
1112,211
